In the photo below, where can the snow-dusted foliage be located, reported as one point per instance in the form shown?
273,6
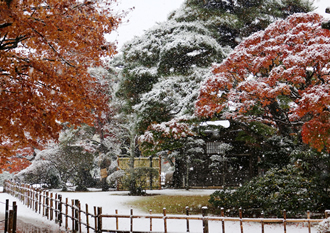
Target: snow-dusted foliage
70,160
232,20
173,96
324,226
42,170
5,176
279,76
164,67
289,188
113,177
162,70
108,128
165,136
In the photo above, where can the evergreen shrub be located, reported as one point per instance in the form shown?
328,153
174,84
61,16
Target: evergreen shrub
279,189
137,180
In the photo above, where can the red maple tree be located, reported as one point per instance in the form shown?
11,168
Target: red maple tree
279,76
19,161
46,48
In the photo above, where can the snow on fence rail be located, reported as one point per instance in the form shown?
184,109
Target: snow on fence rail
51,206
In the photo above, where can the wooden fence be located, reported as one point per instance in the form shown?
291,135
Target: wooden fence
55,209
10,221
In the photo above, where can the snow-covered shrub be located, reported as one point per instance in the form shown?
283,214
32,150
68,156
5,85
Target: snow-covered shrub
324,226
42,170
136,179
56,166
5,176
115,176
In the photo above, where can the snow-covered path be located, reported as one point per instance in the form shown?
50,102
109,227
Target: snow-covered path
110,201
28,220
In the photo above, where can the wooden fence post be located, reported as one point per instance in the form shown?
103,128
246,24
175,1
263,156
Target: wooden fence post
51,207
223,220
27,194
131,220
10,221
262,222
150,212
87,218
116,212
40,200
309,223
59,215
99,219
43,203
187,213
95,219
21,197
205,221
284,220
165,224
47,205
56,206
75,207
78,212
240,219
66,212
14,216
36,201
150,175
21,192
6,215
33,198
73,216
159,172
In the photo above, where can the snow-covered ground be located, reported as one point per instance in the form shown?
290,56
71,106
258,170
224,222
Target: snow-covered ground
112,200
28,221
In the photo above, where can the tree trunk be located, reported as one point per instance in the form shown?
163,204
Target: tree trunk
132,185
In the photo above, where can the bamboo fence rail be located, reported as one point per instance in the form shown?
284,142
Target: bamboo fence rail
51,206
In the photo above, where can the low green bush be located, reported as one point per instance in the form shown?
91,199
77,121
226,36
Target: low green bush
279,189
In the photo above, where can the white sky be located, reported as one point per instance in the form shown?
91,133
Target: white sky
145,15
148,12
